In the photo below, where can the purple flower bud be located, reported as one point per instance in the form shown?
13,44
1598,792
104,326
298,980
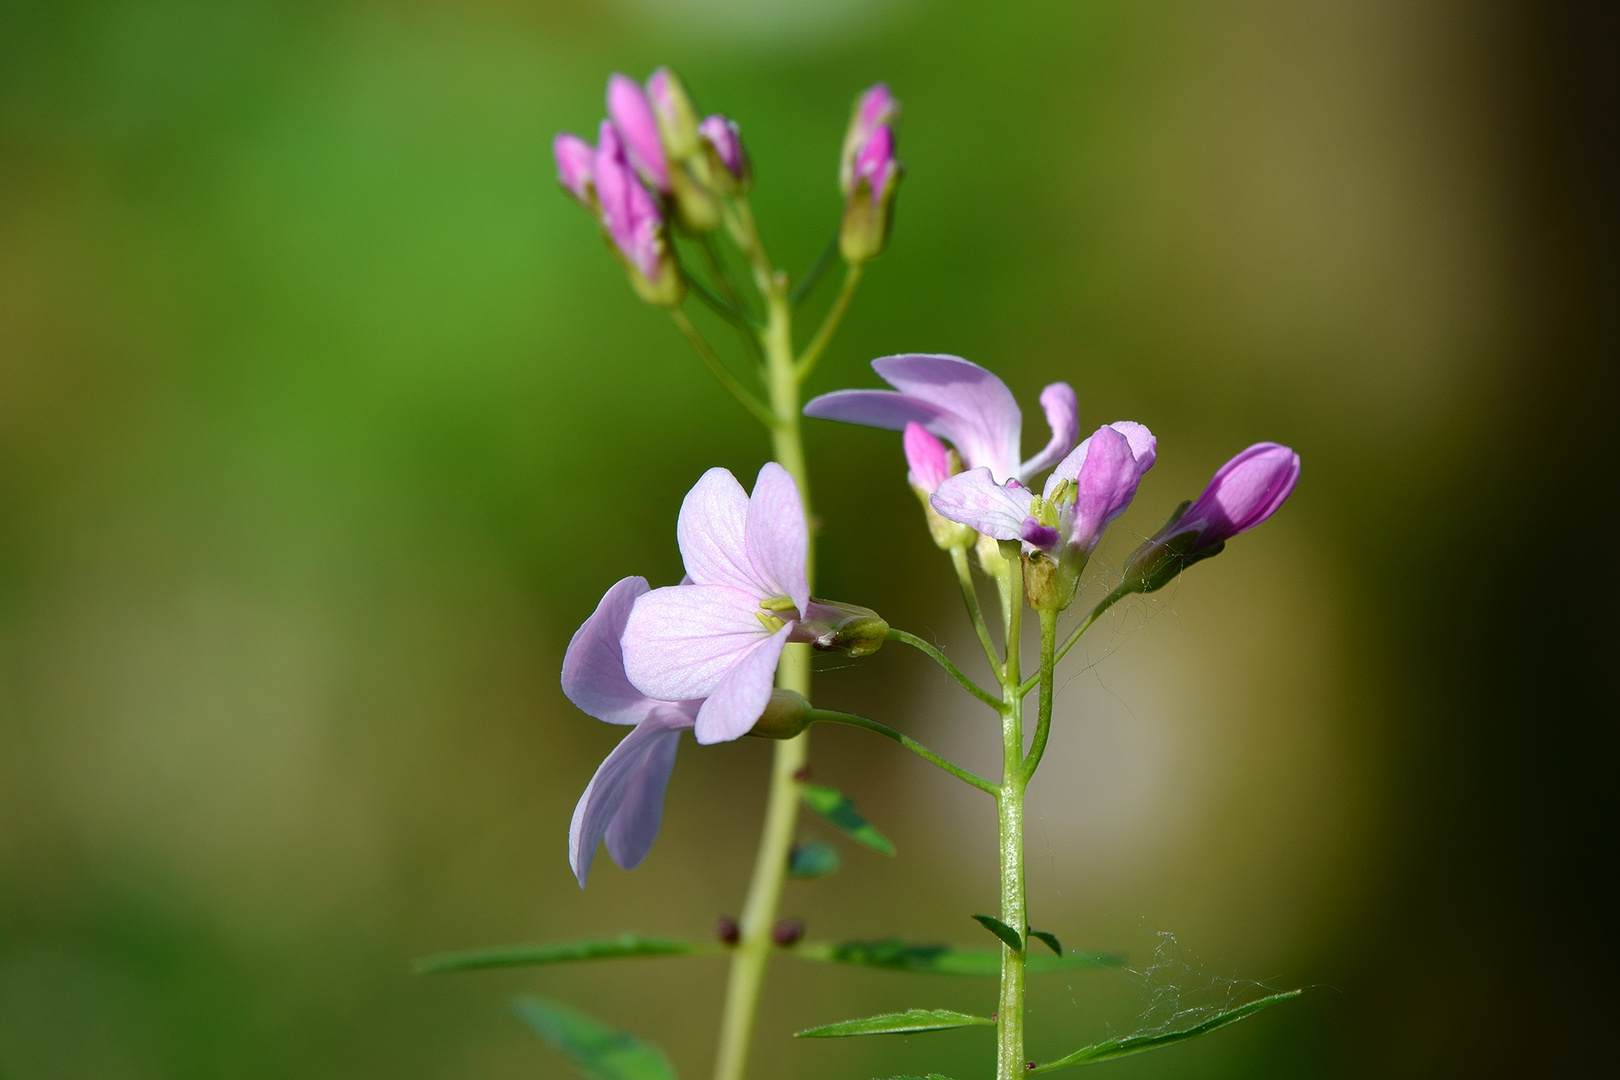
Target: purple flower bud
867,210
633,115
1244,492
927,457
574,167
875,163
787,932
632,220
724,138
875,108
677,120
725,928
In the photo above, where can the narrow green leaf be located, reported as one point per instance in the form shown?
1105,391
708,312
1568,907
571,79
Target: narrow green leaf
812,860
1141,1044
557,952
1050,939
600,1051
833,805
902,1023
930,1076
896,955
1002,931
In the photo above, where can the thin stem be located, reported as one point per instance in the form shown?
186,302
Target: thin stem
717,268
1043,718
828,717
1010,1059
970,595
722,308
721,372
829,324
753,950
945,662
812,277
1096,613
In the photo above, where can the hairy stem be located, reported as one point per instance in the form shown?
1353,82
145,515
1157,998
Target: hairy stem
945,662
824,716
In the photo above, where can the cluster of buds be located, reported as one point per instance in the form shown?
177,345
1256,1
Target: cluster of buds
654,162
868,174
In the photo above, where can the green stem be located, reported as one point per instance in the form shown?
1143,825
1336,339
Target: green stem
824,716
1103,605
1010,1058
829,324
753,950
721,372
945,662
1043,719
802,288
970,596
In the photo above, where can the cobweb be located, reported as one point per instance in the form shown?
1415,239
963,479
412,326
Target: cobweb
1179,994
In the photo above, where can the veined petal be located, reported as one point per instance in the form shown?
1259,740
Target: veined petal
740,698
988,421
1062,410
975,499
711,531
777,538
1105,487
681,640
1144,448
593,675
1246,490
632,779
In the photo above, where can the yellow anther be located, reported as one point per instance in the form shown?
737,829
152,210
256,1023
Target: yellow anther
778,603
770,622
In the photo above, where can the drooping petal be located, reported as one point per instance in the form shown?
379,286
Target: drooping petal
711,533
681,640
928,460
1105,487
633,116
1062,410
990,421
777,538
593,675
975,499
741,696
633,776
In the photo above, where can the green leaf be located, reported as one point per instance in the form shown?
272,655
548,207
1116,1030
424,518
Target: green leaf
1050,939
832,804
902,1023
930,1076
600,1051
1141,1044
558,952
897,955
812,860
1002,931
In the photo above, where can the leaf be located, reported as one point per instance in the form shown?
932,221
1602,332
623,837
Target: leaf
897,955
557,952
1141,1044
600,1051
833,805
1002,931
812,860
902,1023
1050,939
930,1076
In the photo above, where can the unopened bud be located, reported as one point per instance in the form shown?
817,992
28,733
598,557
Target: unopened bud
788,932
729,166
831,626
677,120
1048,584
575,162
875,107
929,464
696,208
726,929
786,714
869,208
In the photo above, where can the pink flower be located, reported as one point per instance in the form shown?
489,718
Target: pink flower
719,637
962,402
629,213
632,113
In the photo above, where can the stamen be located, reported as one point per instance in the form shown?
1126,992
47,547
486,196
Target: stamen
770,622
777,603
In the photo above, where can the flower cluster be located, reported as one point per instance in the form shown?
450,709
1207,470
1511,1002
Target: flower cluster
653,160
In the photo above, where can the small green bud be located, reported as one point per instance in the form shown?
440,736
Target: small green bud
1049,585
844,628
785,715
696,208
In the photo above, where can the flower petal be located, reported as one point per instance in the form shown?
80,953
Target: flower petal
633,115
736,704
1105,487
975,499
711,531
928,462
1062,410
1246,490
1144,447
680,641
777,538
593,667
989,423
632,776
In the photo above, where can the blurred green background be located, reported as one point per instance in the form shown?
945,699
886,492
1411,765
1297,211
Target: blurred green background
325,419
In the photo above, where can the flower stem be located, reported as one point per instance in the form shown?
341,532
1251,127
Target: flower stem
1103,605
753,950
829,325
970,596
945,662
1043,719
721,372
825,716
1010,830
